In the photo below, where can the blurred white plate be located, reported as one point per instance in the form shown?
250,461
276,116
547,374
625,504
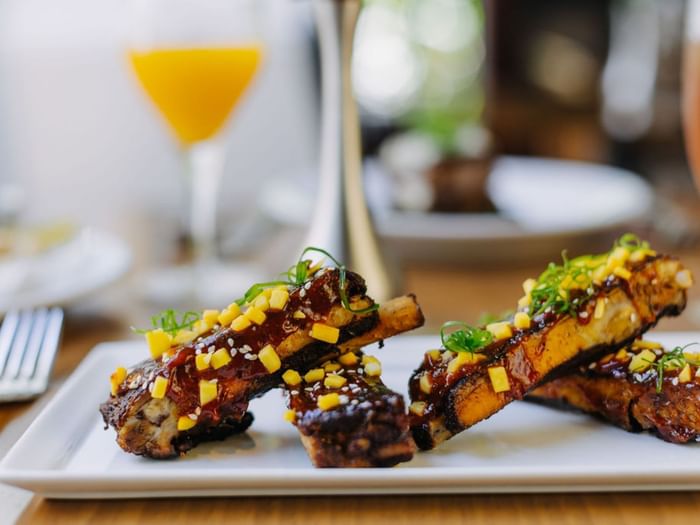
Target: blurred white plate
89,261
67,453
543,205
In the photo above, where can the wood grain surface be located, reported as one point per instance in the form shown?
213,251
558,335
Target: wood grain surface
444,294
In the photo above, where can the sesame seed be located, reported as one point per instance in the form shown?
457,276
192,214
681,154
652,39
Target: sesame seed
307,286
354,401
198,351
198,410
233,352
211,349
295,392
343,399
193,417
302,293
251,357
230,341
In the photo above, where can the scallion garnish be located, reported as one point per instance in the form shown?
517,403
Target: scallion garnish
466,338
167,320
675,358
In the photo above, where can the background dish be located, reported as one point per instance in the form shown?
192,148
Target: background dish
524,448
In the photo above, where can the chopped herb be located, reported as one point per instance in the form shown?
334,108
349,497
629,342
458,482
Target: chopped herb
673,358
167,320
466,339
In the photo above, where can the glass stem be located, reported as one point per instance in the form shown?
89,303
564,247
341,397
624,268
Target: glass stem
205,162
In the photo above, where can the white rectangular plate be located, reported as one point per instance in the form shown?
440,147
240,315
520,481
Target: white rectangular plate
66,453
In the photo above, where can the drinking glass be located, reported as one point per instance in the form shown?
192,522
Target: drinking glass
195,59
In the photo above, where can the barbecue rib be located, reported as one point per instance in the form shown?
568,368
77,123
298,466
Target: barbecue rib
234,366
452,391
627,389
368,427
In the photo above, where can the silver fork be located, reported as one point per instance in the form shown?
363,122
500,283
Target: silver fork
28,343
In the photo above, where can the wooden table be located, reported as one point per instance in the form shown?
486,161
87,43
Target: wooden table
444,294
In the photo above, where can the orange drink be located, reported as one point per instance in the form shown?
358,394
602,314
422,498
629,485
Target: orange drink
196,88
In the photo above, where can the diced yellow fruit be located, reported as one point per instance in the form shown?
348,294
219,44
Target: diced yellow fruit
290,415
256,315
200,327
692,357
528,286
462,359
434,355
348,359
366,358
418,407
373,369
240,323
184,336
328,401
291,377
334,381
220,358
425,384
645,343
261,303
621,355
618,257
599,308
684,375
202,361
524,301
521,320
185,423
600,274
684,279
208,390
210,317
642,361
622,273
158,342
299,315
500,330
278,299
313,375
116,379
160,387
331,367
228,314
325,333
640,255
499,379
269,358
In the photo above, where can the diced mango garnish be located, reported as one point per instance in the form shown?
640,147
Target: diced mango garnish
524,301
208,390
499,379
290,415
528,286
622,273
642,361
291,377
220,358
621,355
261,303
640,255
269,358
158,342
425,384
684,375
500,330
618,257
256,315
328,401
418,407
462,359
184,336
202,361
645,343
325,333
278,299
366,358
313,375
348,359
116,379
334,381
240,323
331,367
210,317
521,320
228,314
299,315
434,354
373,369
160,387
185,423
599,308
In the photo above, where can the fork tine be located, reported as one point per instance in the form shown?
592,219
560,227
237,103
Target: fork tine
7,335
49,345
19,344
36,337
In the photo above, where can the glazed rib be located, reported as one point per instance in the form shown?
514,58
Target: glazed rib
631,396
148,426
551,346
369,427
362,423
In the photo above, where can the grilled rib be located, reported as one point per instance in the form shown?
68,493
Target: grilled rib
148,426
347,417
627,391
458,397
369,427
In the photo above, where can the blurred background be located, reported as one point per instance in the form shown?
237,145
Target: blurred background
495,134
